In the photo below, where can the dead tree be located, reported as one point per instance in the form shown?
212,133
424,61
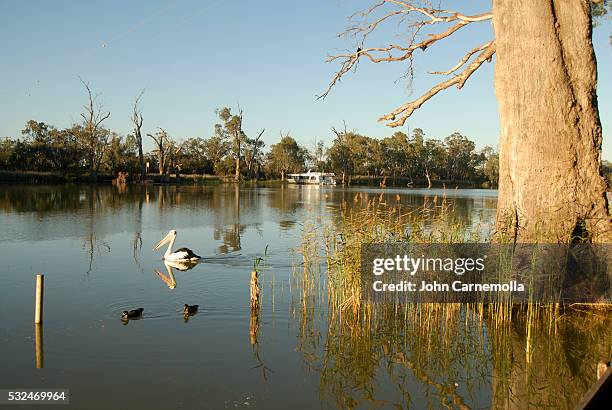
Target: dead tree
94,136
137,120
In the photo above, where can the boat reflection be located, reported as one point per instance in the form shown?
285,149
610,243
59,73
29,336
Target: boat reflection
169,279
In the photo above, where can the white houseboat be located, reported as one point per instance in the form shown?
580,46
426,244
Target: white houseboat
312,178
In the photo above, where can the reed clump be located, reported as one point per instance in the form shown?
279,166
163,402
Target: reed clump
514,352
378,222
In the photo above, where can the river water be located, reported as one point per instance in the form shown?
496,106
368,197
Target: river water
94,245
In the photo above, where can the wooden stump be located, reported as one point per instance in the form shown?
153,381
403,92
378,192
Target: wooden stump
38,336
255,305
38,303
255,290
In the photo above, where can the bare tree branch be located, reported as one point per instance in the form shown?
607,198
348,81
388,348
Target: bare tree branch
463,60
425,17
137,120
95,136
459,80
380,54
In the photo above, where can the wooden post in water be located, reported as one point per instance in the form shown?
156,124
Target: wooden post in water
255,290
255,304
38,333
38,310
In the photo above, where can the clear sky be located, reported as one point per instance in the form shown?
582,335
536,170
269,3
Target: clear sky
193,56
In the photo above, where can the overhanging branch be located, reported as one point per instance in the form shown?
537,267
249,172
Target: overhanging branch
426,17
406,110
463,60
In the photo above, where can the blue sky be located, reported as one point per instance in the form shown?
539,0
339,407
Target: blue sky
268,56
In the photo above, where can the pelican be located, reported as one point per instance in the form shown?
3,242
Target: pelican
182,254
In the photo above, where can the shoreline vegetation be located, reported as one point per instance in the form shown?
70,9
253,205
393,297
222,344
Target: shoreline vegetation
46,154
50,177
88,151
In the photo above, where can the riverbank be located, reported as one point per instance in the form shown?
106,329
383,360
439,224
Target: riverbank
401,181
35,177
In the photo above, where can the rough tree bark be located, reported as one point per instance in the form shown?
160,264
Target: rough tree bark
550,185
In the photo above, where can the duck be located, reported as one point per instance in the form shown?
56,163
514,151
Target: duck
132,314
190,310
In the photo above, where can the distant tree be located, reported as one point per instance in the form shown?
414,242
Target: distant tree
137,121
491,164
232,128
417,148
7,146
93,137
461,158
166,150
49,149
121,155
193,158
434,161
173,155
216,149
339,154
375,160
253,154
396,150
318,156
606,170
286,156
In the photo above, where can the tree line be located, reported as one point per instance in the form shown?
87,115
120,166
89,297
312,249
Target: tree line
90,147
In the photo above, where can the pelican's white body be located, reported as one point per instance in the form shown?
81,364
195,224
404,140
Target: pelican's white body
181,255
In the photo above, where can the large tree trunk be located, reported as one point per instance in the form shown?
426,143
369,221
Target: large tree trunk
550,185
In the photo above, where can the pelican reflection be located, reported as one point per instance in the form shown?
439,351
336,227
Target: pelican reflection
169,279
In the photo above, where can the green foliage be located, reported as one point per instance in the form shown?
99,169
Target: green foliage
606,171
454,159
121,155
7,146
491,165
599,10
231,130
286,156
45,148
193,158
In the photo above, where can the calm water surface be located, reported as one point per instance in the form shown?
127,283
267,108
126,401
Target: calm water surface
94,245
